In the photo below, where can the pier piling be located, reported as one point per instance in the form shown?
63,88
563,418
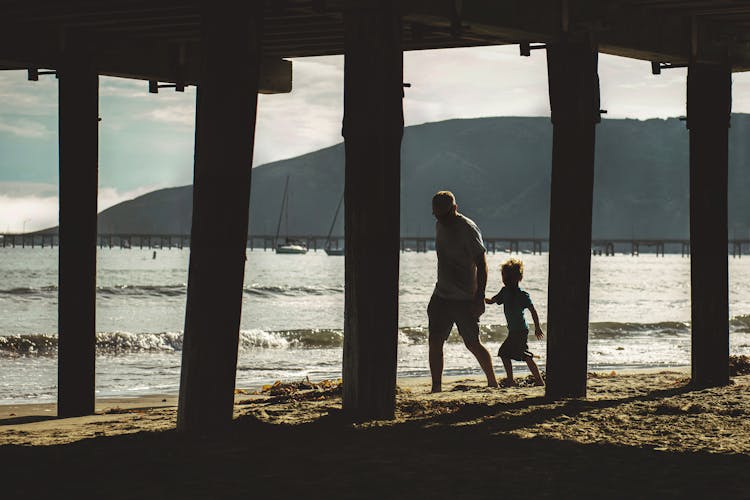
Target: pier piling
709,106
574,101
78,142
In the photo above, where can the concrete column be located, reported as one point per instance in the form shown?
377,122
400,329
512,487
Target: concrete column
574,100
224,139
373,128
709,105
79,143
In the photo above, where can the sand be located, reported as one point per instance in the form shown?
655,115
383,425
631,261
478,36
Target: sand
644,434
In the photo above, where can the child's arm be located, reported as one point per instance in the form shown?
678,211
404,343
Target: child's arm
537,327
495,299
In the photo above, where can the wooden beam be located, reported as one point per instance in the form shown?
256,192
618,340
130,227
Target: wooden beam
136,59
620,28
78,138
373,128
646,30
574,101
709,107
224,139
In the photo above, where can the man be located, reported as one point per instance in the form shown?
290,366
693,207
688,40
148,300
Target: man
459,292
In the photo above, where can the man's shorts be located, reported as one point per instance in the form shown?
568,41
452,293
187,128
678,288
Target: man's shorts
444,313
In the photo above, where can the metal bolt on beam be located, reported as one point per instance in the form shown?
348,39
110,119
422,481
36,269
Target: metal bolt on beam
657,66
153,86
526,48
33,74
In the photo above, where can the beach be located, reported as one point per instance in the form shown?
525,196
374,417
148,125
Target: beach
644,433
641,432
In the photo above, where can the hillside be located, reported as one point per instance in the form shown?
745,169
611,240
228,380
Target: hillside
499,169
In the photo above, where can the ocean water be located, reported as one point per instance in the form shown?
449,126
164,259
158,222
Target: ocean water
293,316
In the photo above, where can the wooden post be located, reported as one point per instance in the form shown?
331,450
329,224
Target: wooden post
574,101
373,128
224,139
709,105
79,143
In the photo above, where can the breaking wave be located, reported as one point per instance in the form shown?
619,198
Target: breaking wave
148,291
293,291
121,343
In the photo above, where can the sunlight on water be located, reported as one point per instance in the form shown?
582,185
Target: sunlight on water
292,317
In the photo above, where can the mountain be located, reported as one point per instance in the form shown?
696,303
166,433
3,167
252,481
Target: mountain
499,170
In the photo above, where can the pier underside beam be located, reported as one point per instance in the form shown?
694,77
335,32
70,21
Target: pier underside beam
224,139
709,107
79,144
373,129
574,101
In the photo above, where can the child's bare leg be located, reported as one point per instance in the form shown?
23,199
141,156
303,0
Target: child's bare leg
534,370
508,364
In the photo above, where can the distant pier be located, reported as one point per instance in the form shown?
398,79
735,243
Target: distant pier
605,247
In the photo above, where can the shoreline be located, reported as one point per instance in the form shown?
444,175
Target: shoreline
108,404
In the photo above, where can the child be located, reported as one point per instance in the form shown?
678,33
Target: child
515,300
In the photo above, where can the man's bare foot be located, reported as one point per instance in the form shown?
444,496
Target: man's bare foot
493,385
436,389
539,383
508,383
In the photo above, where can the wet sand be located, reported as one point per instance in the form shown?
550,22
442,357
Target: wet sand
643,434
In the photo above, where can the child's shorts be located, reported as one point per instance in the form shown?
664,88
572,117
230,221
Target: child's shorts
516,346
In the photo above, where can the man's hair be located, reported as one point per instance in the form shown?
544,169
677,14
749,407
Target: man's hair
512,269
443,201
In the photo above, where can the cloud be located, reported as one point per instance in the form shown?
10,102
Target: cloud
308,118
110,196
24,128
147,139
178,114
20,96
29,213
33,206
27,189
122,87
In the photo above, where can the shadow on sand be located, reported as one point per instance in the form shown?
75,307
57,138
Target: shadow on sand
26,419
465,453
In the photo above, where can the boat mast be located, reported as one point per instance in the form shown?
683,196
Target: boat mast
281,212
333,222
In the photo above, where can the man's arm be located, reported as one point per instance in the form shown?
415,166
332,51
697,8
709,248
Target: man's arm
481,263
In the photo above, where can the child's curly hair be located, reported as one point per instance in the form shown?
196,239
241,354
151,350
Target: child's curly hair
512,270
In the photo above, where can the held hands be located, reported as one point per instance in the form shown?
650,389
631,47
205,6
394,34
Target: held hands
478,306
538,333
488,300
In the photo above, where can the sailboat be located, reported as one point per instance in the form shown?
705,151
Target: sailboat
328,249
289,246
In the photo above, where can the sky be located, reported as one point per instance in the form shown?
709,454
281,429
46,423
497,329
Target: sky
146,140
